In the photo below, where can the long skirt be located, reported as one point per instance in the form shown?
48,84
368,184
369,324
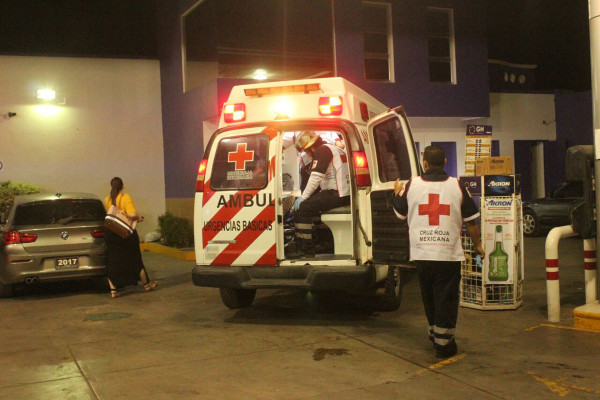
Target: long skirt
124,259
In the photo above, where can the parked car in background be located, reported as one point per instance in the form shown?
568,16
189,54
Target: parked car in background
52,237
540,215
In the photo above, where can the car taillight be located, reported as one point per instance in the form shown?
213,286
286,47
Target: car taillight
234,112
201,174
15,237
361,169
330,106
98,233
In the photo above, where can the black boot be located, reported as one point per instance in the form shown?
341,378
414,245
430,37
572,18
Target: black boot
446,351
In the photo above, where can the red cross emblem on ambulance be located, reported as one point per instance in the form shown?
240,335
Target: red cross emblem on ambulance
434,209
240,156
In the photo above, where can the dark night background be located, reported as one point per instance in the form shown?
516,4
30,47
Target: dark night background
552,34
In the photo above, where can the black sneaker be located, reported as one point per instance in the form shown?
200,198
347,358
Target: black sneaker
446,351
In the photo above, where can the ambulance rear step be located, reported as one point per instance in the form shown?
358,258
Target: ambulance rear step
301,276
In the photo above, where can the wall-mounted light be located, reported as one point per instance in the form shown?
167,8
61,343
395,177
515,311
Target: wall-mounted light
46,94
49,96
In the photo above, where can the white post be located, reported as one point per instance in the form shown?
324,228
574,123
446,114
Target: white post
594,14
589,262
552,282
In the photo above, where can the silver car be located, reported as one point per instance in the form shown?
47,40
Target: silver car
52,237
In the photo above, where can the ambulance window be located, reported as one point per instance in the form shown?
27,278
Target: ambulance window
240,163
392,151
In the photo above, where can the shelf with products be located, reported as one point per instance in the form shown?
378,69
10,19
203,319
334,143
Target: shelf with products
496,282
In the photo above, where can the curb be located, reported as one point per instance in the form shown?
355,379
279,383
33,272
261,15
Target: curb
179,254
587,317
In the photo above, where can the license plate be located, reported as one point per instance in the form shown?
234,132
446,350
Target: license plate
66,263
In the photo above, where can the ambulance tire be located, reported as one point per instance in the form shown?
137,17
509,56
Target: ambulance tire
392,296
237,298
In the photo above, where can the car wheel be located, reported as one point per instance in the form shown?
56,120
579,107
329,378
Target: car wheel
237,298
392,296
531,224
6,290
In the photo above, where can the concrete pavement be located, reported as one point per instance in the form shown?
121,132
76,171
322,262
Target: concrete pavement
70,341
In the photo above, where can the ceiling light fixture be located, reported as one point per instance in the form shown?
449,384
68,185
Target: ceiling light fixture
260,74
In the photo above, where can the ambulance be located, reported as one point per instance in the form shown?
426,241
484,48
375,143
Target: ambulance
250,175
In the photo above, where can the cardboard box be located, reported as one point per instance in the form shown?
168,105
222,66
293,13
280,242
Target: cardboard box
494,166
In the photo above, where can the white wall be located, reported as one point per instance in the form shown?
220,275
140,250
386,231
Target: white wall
110,126
513,116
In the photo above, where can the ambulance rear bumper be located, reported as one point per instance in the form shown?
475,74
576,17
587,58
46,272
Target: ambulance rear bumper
308,277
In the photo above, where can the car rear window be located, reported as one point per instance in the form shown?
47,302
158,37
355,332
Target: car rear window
62,211
241,163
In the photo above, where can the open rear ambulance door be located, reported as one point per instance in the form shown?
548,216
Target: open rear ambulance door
238,204
396,157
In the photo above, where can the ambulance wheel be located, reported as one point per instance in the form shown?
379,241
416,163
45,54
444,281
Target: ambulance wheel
237,298
392,296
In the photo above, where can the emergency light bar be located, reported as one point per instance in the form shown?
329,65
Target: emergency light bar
282,89
234,112
330,106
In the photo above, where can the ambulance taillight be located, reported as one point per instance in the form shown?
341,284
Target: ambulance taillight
329,106
364,111
361,169
201,174
234,112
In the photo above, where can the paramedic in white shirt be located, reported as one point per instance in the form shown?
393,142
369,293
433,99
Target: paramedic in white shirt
329,173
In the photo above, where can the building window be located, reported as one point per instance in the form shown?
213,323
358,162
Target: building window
440,38
377,31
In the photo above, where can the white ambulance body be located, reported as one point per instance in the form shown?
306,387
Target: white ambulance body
249,176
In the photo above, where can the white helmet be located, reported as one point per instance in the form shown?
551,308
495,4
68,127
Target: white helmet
306,139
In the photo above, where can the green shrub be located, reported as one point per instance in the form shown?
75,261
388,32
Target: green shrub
9,190
175,231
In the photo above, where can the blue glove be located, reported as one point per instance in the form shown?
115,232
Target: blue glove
297,203
478,261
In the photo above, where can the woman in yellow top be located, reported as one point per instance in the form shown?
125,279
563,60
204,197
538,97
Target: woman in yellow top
124,265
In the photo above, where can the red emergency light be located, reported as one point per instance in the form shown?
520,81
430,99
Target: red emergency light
361,169
201,174
234,112
330,106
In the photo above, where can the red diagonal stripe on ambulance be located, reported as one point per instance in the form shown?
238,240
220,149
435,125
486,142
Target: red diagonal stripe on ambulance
269,258
272,168
225,214
245,239
208,193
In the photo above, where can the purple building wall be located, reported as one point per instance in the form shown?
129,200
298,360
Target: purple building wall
183,113
574,121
